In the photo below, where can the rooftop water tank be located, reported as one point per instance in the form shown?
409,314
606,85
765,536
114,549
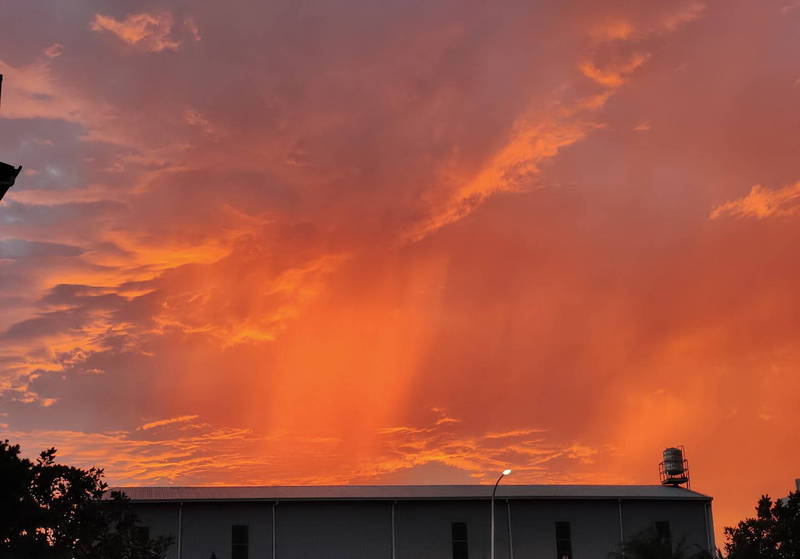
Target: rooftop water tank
673,461
674,470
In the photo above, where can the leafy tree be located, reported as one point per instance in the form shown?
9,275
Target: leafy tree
773,534
649,544
52,511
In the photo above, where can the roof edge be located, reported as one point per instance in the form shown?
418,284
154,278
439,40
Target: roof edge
258,493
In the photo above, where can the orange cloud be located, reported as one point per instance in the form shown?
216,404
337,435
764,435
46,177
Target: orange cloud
762,203
532,142
617,29
150,32
147,31
613,74
170,421
689,12
201,453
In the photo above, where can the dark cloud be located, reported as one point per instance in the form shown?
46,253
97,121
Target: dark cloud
19,249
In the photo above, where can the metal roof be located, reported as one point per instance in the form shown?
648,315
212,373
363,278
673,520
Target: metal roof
406,492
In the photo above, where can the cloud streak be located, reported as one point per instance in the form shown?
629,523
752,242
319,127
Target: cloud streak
170,421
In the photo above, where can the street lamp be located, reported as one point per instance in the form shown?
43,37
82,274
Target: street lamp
494,490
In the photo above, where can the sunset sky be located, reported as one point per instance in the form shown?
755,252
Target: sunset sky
369,242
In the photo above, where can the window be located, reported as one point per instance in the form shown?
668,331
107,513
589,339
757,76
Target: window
460,549
563,541
239,542
664,533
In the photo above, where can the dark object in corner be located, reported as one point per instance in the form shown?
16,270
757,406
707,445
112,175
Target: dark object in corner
8,175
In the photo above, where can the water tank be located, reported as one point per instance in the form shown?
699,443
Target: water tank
673,462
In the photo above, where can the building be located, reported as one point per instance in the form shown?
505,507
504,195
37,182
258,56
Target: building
785,500
417,522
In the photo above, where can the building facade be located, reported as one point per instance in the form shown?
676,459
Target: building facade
418,522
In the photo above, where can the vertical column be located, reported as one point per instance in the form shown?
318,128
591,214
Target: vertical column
710,529
180,528
621,531
274,529
394,529
510,532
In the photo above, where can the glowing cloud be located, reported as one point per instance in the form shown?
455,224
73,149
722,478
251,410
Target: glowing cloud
762,203
613,74
170,421
150,32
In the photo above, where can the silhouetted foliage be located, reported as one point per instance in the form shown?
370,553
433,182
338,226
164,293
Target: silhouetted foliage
52,511
773,534
649,544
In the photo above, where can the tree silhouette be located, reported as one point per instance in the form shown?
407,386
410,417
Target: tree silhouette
52,511
649,544
773,534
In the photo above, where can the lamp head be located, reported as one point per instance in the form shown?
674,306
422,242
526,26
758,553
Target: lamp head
506,472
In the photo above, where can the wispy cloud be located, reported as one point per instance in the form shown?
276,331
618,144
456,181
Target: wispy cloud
170,421
149,31
762,203
207,454
533,140
615,73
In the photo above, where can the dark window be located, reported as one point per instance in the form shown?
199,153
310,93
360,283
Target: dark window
664,533
239,542
563,541
460,548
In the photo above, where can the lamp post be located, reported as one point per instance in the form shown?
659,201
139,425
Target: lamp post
494,490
